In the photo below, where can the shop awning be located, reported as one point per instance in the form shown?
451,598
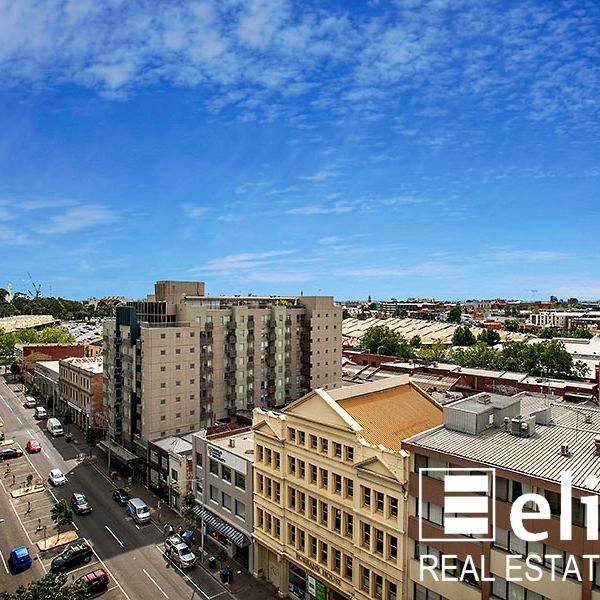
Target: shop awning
117,451
230,532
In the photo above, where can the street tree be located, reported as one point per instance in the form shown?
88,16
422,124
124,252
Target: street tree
382,340
455,313
463,336
53,586
62,514
187,514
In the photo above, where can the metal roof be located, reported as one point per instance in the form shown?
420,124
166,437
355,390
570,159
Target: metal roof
538,456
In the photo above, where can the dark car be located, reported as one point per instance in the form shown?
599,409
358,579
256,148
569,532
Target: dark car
73,556
8,453
121,496
80,504
95,582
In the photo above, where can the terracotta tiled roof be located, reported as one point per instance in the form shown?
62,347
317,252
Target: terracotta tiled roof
388,416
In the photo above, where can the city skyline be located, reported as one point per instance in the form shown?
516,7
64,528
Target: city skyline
428,149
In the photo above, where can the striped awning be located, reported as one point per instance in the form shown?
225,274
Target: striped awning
231,533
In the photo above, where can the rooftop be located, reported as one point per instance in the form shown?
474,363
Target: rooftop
243,444
175,445
388,411
52,365
17,322
537,456
93,364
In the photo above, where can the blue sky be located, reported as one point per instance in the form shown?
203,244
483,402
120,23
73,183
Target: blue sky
441,148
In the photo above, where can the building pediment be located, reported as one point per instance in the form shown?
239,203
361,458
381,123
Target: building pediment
319,407
264,428
378,468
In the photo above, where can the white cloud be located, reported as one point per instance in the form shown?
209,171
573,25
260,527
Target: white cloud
319,175
229,218
77,218
527,256
331,239
195,211
307,211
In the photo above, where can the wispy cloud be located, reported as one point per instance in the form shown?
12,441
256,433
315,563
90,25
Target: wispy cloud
78,218
330,239
319,175
307,211
194,211
229,218
528,256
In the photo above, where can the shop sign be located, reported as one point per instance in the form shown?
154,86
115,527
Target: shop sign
316,588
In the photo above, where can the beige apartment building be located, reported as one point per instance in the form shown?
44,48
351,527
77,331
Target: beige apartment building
180,360
81,388
330,488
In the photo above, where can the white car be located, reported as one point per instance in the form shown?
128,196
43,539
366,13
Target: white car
56,477
181,555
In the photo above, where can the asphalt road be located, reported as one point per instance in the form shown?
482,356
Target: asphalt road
131,553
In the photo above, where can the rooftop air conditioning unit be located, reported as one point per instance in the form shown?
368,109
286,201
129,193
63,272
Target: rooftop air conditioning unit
564,450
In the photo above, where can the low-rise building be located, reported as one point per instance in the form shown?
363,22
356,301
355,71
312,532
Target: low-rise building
170,468
521,445
222,466
81,389
45,376
330,490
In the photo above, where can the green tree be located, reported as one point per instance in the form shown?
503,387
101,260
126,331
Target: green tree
35,390
436,352
490,337
400,313
511,325
582,332
55,335
547,333
15,369
455,313
346,314
53,586
187,514
415,341
382,340
62,514
463,336
478,356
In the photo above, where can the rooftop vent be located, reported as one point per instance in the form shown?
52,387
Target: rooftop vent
506,423
523,427
484,399
231,443
564,450
588,419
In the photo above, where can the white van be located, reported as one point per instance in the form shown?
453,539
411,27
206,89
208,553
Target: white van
54,427
138,511
30,402
39,413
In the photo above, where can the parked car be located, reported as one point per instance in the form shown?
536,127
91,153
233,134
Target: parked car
30,402
121,496
95,582
182,556
33,446
39,413
80,504
57,478
73,556
19,558
8,453
172,541
54,427
138,510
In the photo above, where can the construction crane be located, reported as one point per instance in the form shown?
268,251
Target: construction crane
36,286
533,293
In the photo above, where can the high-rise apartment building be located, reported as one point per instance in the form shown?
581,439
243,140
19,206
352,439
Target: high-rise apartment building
180,360
330,490
523,444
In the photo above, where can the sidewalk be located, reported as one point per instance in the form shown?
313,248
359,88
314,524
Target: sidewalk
244,585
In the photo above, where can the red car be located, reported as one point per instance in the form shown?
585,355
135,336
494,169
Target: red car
33,446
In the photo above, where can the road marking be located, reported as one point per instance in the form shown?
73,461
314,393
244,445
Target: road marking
112,533
4,563
110,573
30,434
186,576
75,526
16,513
19,419
46,454
156,584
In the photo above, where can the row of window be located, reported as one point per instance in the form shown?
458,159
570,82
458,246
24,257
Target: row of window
268,488
226,473
223,499
268,457
339,562
342,486
378,502
320,444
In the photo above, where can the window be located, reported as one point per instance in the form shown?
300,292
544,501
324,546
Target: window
349,453
313,474
379,501
214,466
393,549
365,579
379,541
349,525
324,478
324,446
292,468
292,498
312,546
392,591
240,510
226,501
302,496
348,567
324,513
214,493
313,442
366,535
226,473
393,507
198,459
313,508
337,520
277,458
366,495
337,450
301,469
337,561
378,587
292,435
337,484
240,481
301,438
349,488
324,553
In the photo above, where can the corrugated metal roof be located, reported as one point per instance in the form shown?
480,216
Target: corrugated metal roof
539,455
390,415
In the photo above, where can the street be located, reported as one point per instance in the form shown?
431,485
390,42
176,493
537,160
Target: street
131,554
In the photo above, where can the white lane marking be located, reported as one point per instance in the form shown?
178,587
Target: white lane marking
41,478
16,513
75,526
112,533
159,547
7,404
154,582
45,454
4,563
19,419
30,434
